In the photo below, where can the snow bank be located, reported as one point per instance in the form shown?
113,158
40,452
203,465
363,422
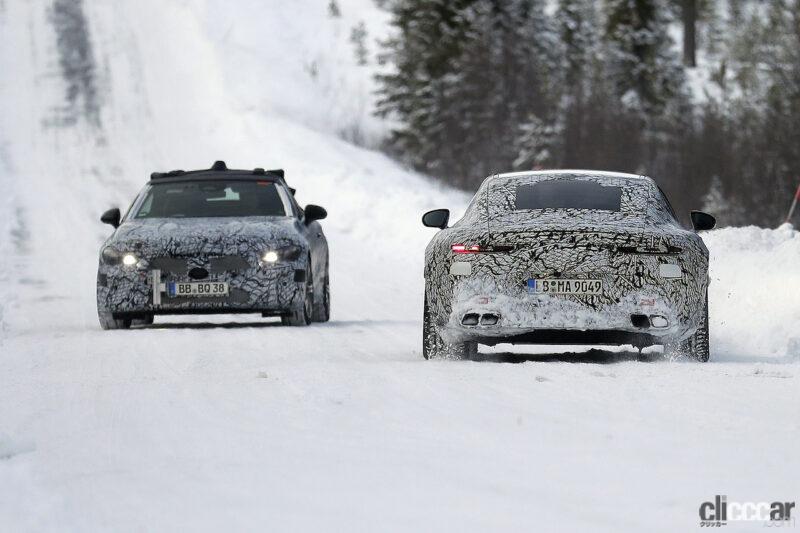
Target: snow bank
754,297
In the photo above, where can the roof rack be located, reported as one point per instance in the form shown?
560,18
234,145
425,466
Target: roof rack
220,166
170,174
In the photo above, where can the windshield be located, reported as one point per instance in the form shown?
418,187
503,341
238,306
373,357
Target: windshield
224,198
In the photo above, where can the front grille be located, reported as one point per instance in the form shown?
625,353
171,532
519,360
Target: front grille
169,264
215,265
228,263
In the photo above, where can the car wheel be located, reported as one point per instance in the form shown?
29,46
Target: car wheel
434,347
107,321
146,321
302,315
697,346
322,309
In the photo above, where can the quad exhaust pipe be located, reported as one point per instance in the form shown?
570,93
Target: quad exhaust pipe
637,320
647,322
489,319
485,319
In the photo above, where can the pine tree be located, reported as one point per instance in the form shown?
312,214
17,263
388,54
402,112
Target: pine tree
577,121
429,34
781,52
536,144
468,75
358,37
654,123
643,66
333,9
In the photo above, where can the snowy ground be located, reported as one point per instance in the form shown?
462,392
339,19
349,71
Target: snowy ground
234,423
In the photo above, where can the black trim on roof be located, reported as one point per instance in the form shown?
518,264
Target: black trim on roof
205,175
219,170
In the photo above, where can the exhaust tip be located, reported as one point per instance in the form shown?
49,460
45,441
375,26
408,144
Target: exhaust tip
658,321
470,319
640,321
489,319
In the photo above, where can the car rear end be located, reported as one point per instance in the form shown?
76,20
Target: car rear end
574,276
575,287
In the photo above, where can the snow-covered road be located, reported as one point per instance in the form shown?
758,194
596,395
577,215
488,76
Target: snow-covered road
188,428
235,423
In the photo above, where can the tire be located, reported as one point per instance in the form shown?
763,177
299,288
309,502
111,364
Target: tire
107,321
146,321
434,347
322,308
301,316
697,346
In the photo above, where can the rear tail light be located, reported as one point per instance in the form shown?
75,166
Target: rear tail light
465,249
478,249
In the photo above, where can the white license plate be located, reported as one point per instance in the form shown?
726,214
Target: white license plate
202,288
565,286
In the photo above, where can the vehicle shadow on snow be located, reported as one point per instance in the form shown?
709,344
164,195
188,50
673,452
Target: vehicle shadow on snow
211,325
594,355
267,323
370,322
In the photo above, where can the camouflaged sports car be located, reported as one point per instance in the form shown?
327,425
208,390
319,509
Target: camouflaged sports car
214,241
566,257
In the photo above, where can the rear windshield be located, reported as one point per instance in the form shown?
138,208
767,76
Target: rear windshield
568,194
212,199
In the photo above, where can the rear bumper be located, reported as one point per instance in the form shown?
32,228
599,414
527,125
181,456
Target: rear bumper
566,336
641,317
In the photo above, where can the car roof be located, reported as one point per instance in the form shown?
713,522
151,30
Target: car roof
570,172
219,170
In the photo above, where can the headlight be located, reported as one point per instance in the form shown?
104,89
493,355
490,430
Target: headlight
284,253
111,256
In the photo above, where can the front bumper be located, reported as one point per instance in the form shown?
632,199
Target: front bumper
273,290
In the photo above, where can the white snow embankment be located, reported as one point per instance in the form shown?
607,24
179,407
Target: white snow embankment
754,296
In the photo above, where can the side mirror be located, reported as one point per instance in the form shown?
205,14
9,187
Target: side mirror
702,221
438,218
112,216
314,212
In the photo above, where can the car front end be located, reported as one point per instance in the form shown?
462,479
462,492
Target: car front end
157,267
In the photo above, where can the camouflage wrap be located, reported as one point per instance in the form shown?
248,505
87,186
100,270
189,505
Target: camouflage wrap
229,250
624,249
